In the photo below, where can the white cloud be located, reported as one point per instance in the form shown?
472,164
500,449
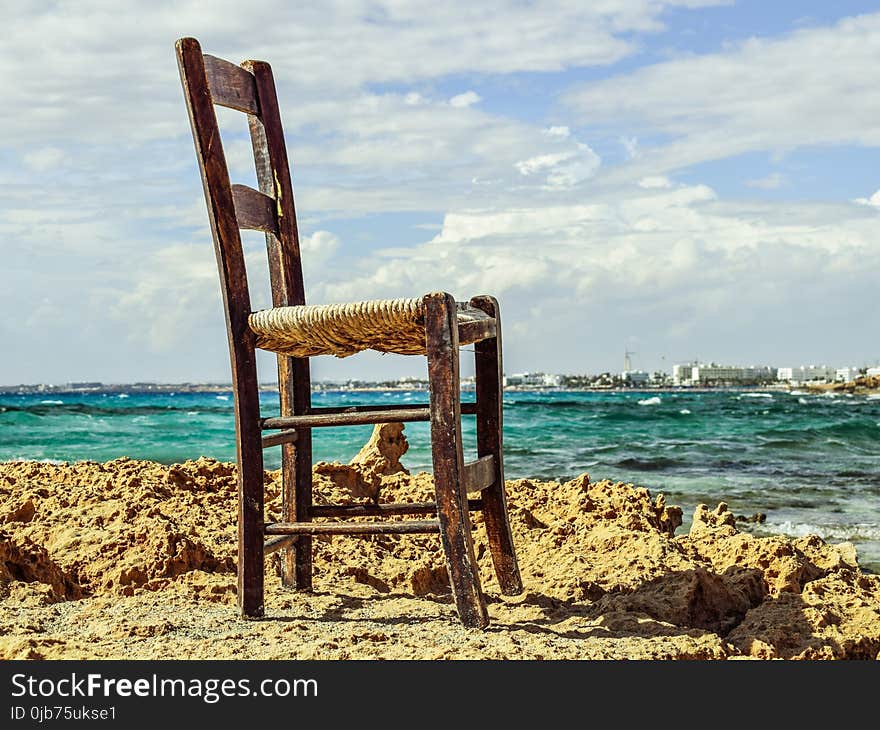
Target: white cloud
319,246
807,88
673,266
874,200
564,169
44,158
541,163
468,98
631,146
558,131
655,181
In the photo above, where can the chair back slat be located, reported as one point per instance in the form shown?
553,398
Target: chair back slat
231,85
273,175
255,211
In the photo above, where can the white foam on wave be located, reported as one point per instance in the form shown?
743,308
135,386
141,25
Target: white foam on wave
52,402
21,459
685,412
874,396
756,395
803,401
222,397
852,532
652,401
122,395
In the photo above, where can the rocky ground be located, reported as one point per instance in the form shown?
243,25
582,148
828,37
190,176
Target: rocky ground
134,560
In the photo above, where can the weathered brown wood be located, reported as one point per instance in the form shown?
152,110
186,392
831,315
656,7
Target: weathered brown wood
253,210
375,510
347,419
400,527
285,272
490,424
231,85
441,335
279,542
288,436
480,474
476,330
236,299
467,408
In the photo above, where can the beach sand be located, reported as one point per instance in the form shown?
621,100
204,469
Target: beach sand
136,560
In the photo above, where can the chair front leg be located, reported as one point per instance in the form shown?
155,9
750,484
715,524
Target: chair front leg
294,384
441,331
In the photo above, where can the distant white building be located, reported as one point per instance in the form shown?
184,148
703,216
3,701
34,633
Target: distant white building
846,375
690,374
635,377
872,372
717,374
532,380
681,374
807,374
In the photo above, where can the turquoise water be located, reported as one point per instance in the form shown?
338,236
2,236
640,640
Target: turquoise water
811,463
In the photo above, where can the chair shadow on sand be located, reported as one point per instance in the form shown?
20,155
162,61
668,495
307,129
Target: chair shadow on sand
671,605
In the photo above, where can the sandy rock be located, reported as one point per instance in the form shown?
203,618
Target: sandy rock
132,558
22,560
378,458
381,454
706,519
834,617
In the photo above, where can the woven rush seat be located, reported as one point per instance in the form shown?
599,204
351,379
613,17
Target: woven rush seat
386,325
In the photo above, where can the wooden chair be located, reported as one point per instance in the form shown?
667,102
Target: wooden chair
433,325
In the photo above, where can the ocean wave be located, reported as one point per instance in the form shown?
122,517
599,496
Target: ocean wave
59,408
685,411
657,464
856,532
652,401
754,395
52,402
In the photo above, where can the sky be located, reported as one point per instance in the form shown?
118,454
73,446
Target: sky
679,179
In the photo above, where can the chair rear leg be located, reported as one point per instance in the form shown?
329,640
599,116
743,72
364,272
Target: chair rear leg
250,497
489,374
441,330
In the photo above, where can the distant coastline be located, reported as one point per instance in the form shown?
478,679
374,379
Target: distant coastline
370,387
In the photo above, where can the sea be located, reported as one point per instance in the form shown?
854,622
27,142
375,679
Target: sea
809,462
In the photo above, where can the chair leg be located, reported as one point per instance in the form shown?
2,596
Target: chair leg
250,497
302,549
455,527
296,468
489,373
296,499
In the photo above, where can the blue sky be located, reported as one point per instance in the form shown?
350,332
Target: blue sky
684,178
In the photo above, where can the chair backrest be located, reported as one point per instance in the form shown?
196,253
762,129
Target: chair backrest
249,88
